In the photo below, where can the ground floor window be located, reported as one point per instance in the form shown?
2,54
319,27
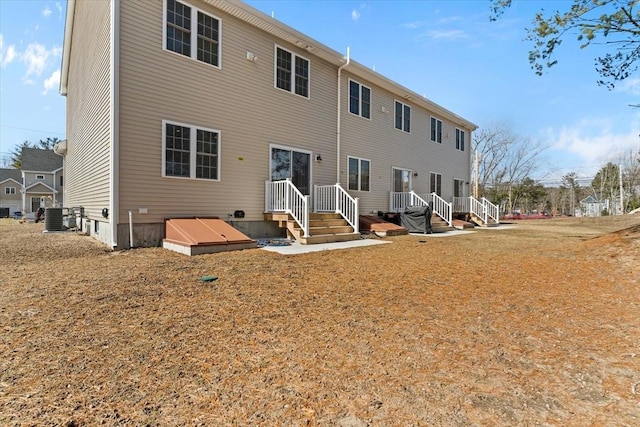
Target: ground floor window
435,183
190,151
359,174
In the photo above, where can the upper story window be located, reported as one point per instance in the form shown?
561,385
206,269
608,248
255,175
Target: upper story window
9,190
460,140
359,174
403,117
190,152
201,43
40,177
359,99
292,72
436,130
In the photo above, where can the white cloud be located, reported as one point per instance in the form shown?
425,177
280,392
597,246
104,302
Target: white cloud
46,12
8,55
629,85
355,15
590,144
52,82
445,35
59,7
35,58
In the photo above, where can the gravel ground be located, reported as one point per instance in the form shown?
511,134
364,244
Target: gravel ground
536,324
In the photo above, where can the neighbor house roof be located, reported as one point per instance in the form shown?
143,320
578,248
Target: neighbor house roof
14,174
39,160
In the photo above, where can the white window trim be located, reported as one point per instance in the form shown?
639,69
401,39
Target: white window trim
194,34
360,85
9,191
359,159
394,116
464,142
293,72
40,177
441,126
192,151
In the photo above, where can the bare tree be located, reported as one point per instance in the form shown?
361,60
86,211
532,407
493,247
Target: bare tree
629,160
505,160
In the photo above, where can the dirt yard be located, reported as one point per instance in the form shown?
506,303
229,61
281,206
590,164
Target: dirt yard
535,324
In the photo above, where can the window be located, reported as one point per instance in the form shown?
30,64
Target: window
403,117
190,152
359,176
181,38
458,188
9,190
459,140
359,99
60,180
292,72
40,177
436,130
435,182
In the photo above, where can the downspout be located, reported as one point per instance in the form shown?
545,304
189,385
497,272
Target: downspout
114,168
339,116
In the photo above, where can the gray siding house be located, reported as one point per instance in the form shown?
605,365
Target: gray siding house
42,175
11,190
197,107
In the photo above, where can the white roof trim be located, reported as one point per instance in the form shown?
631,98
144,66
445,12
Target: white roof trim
66,50
40,183
11,179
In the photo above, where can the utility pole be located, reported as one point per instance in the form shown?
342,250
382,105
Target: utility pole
621,192
475,181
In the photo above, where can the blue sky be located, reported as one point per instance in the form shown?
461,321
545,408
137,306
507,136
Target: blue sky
448,51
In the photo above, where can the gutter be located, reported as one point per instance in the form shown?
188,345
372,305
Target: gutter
338,127
114,126
66,50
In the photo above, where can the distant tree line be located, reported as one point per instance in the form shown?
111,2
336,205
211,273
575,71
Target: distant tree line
506,163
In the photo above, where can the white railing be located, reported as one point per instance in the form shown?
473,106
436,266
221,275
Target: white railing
334,198
283,196
442,208
483,209
400,201
461,204
492,210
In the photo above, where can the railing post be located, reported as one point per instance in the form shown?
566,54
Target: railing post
305,216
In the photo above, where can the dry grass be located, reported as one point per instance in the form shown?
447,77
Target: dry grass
532,325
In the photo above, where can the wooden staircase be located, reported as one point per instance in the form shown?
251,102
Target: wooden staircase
480,223
439,225
323,228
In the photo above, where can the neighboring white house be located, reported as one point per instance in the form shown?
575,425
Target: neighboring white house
589,206
192,108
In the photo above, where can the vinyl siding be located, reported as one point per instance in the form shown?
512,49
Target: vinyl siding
11,200
387,147
239,100
89,140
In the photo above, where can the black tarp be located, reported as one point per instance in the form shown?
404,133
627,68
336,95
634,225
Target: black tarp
416,219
